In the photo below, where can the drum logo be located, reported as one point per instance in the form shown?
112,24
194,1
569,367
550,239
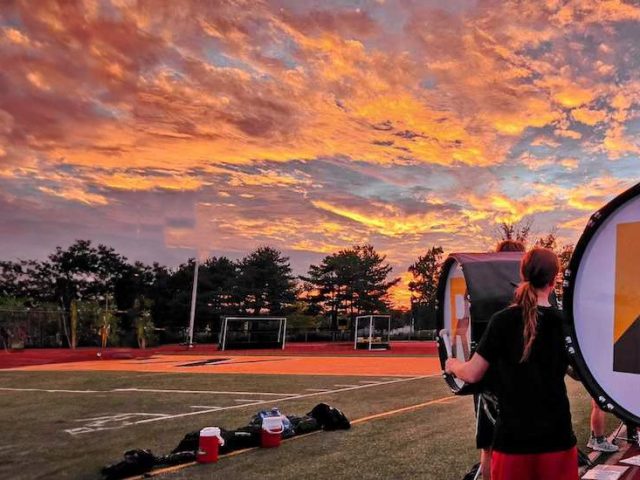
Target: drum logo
626,327
460,321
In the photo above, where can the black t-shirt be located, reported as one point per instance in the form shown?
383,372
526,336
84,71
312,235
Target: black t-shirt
534,414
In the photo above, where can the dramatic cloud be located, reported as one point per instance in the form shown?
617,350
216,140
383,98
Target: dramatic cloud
311,126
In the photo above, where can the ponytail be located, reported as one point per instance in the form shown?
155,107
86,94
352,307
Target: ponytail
527,299
538,269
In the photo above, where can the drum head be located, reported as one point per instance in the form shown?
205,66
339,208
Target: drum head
602,305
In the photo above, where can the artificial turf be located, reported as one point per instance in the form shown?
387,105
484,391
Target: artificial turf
434,442
431,443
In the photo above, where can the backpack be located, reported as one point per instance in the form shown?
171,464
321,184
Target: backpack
136,462
329,418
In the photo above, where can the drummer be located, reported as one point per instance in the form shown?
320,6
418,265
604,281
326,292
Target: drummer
524,343
482,401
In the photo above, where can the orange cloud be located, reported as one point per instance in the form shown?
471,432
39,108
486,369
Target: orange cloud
592,196
570,163
578,224
16,36
390,221
76,195
501,208
589,117
616,142
435,123
587,12
139,181
567,133
266,178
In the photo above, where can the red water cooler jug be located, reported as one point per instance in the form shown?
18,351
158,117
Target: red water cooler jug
271,433
209,445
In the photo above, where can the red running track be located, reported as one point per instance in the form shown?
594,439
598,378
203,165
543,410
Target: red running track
43,356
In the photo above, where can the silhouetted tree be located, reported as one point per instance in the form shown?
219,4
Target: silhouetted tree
519,231
265,282
425,272
218,291
349,283
564,253
424,287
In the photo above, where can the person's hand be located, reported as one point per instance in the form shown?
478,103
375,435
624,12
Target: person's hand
450,364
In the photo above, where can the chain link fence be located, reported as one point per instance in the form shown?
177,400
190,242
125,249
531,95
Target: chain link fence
32,328
50,328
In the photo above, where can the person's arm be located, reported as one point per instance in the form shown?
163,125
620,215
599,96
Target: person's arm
573,374
471,371
488,351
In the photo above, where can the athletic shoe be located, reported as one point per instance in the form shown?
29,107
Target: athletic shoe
601,445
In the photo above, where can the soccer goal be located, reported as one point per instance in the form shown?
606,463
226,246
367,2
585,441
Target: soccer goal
253,332
372,332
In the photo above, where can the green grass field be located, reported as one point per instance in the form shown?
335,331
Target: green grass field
71,434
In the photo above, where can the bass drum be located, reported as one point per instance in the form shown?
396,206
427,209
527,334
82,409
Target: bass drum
472,287
602,306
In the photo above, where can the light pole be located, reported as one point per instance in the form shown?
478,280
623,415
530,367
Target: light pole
194,294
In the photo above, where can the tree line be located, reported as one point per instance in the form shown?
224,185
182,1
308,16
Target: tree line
96,289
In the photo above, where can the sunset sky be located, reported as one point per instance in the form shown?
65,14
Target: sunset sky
162,128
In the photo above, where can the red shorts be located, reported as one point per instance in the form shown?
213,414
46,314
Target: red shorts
535,466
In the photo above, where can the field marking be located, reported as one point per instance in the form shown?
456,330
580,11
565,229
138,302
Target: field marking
7,389
147,390
177,468
211,392
162,471
369,381
119,416
102,422
346,385
262,402
404,409
318,389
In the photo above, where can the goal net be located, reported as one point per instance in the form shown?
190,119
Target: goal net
253,332
372,332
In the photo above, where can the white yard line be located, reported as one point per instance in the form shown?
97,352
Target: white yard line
147,390
347,385
121,415
293,397
210,392
318,389
7,389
